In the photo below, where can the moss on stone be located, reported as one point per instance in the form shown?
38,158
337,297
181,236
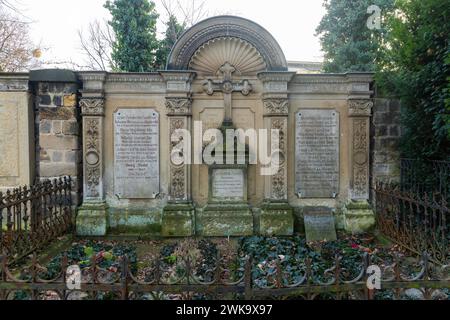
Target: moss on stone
277,219
178,220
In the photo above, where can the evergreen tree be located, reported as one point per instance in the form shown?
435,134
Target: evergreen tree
134,25
348,43
173,32
416,68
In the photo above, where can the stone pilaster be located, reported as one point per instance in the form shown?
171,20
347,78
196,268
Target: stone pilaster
358,216
17,165
178,216
276,214
92,215
359,113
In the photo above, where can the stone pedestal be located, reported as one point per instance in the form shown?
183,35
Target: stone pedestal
218,220
92,219
178,220
276,219
228,212
358,217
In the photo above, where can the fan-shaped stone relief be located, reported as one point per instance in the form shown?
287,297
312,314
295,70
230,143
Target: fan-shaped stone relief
211,56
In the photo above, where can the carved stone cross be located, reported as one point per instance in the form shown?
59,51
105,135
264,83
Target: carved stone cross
227,87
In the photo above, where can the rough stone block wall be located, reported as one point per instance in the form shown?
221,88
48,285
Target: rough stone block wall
386,132
58,127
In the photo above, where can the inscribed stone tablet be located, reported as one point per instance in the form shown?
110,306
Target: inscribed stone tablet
136,153
228,184
319,224
317,154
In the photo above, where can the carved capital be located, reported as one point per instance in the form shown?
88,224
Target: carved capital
92,106
360,108
178,106
276,106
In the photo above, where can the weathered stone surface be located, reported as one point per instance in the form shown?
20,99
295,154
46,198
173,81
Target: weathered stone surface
136,153
92,220
16,140
70,128
70,100
72,156
9,133
57,156
45,126
276,219
49,169
220,220
45,100
53,142
317,153
358,217
319,224
178,220
57,127
61,113
385,141
135,220
57,101
44,156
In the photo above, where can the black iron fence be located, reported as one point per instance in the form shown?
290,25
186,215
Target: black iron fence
416,222
31,217
155,282
425,177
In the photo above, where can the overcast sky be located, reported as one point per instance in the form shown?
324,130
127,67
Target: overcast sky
291,22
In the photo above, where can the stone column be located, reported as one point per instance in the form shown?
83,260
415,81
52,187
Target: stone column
276,214
178,215
92,215
358,216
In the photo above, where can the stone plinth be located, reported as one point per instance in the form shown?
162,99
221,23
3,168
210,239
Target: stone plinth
92,219
276,219
219,220
178,220
358,217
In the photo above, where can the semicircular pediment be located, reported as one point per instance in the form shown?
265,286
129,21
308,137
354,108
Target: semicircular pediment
195,38
211,56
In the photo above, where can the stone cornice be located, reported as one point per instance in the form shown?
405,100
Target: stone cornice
275,76
179,76
14,82
93,83
354,85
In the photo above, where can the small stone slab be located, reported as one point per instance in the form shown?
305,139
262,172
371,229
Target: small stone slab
319,224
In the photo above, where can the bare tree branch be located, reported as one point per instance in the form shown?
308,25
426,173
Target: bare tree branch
188,12
97,45
16,47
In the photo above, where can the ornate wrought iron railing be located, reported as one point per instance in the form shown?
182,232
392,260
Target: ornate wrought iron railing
418,223
425,177
31,217
156,282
